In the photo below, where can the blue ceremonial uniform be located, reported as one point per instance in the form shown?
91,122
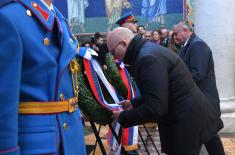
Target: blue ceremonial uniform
36,48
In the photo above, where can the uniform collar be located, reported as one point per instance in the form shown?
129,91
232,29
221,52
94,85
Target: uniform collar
49,7
41,11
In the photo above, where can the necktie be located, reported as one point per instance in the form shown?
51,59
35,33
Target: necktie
182,51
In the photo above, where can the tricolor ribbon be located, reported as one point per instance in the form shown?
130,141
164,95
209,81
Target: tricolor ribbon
129,135
93,73
126,79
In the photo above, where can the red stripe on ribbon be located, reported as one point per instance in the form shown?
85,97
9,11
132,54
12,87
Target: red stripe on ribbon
87,66
125,137
94,84
126,82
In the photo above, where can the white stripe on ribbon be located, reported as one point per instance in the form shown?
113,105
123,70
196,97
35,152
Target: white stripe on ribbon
83,53
115,143
105,81
113,94
135,134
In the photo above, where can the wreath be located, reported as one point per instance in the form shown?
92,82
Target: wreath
113,75
88,104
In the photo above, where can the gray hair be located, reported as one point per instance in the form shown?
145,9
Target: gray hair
185,24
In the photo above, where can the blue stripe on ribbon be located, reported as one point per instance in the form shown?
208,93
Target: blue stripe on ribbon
82,51
99,90
130,135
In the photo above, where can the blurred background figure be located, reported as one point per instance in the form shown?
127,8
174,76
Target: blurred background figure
156,36
97,40
174,45
114,8
165,37
141,30
154,11
76,14
86,44
100,46
148,35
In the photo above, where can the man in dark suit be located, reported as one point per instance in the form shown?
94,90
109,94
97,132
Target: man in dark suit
169,95
198,58
165,37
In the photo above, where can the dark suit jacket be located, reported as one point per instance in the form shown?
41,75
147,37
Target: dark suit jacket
198,58
184,115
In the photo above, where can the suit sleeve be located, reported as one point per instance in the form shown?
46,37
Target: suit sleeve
199,60
10,67
136,101
153,77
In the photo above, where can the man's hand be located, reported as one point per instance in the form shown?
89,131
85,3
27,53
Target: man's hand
126,105
116,115
105,67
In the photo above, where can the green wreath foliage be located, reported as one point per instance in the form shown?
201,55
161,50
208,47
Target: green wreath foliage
88,104
114,76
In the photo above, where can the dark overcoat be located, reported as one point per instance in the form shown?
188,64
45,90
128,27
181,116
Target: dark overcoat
170,96
198,58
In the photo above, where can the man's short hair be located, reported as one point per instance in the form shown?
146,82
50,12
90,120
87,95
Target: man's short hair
186,24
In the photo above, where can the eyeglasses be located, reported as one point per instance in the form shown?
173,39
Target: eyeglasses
112,50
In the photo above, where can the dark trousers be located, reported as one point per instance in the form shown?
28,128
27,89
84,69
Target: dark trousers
195,151
214,146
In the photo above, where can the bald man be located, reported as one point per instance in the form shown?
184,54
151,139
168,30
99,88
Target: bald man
169,95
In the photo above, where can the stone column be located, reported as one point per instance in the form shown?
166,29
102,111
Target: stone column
215,23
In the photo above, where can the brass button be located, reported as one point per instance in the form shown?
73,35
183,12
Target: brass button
71,40
29,13
35,5
61,96
65,126
46,42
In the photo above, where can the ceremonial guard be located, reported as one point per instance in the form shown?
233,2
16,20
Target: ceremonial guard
38,82
129,21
